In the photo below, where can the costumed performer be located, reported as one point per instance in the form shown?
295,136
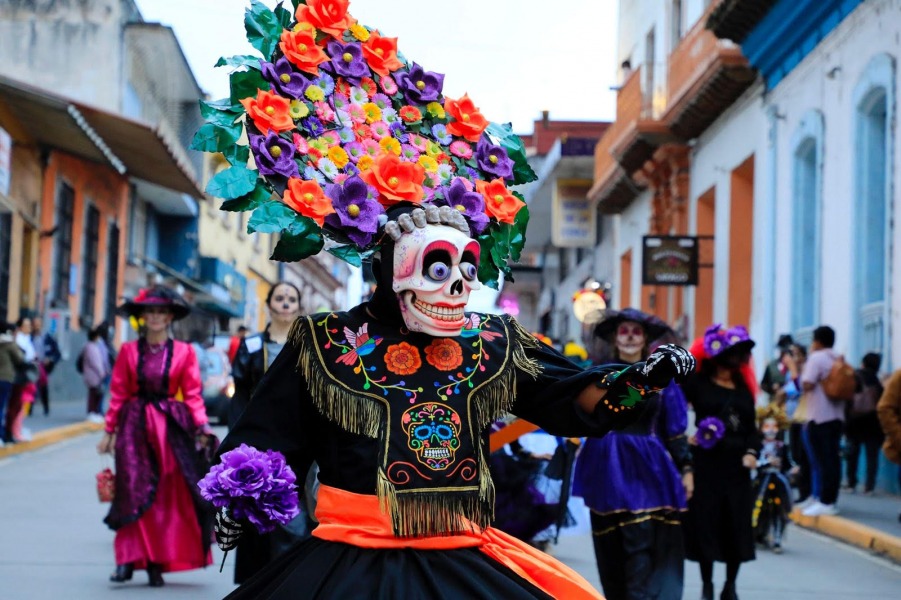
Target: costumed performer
155,425
635,480
394,398
772,504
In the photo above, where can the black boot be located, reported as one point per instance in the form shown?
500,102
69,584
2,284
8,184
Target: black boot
728,592
707,591
122,573
155,575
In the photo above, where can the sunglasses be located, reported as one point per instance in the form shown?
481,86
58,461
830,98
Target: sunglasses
630,330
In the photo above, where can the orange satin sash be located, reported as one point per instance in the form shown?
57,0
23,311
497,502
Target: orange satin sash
357,520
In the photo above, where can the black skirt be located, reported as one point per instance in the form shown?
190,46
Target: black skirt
718,525
321,569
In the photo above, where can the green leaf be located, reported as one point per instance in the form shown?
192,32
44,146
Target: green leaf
217,115
489,274
518,231
249,201
262,27
240,60
348,254
237,154
215,138
285,16
302,239
297,3
503,136
271,217
231,183
244,84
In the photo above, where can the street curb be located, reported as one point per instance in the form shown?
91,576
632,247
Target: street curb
853,533
50,436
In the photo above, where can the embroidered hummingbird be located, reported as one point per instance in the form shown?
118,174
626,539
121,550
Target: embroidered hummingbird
361,342
472,327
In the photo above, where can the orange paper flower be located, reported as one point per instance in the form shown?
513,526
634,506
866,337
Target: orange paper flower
301,50
381,54
395,180
500,203
468,122
269,111
329,16
402,359
444,354
307,198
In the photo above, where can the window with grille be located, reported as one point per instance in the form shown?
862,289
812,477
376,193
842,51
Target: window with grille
89,267
6,226
62,244
112,272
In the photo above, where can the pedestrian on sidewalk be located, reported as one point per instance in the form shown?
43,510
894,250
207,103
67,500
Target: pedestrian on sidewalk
252,358
156,422
862,427
724,450
94,371
635,481
889,411
11,358
805,479
48,353
24,384
826,418
773,504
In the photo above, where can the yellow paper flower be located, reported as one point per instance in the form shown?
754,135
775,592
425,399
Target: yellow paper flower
338,156
314,93
320,144
433,149
364,163
428,163
359,32
373,112
298,109
435,109
389,144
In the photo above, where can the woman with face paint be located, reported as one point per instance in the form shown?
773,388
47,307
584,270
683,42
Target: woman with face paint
155,425
255,355
635,480
725,450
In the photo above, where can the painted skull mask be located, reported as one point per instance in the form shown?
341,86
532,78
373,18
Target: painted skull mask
435,269
433,432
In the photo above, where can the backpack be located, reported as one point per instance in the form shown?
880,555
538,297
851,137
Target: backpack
841,381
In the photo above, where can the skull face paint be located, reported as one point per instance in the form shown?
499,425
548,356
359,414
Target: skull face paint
630,338
770,429
435,269
433,432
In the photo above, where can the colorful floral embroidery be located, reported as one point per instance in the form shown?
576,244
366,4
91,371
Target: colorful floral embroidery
444,354
402,359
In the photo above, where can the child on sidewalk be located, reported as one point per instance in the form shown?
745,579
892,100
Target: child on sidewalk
773,502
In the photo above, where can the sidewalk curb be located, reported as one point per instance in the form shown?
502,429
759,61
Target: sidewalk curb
853,533
50,436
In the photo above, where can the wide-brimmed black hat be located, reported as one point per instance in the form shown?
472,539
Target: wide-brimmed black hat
654,326
155,296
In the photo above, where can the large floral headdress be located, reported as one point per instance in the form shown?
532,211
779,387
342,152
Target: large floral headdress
341,127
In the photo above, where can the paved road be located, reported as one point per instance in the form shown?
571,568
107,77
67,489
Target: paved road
54,545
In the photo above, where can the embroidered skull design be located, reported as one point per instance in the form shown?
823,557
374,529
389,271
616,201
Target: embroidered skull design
435,269
433,433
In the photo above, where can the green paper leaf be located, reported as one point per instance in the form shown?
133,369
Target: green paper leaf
244,84
489,274
285,16
503,135
262,27
271,217
348,254
240,60
249,201
215,138
518,231
302,239
297,3
231,183
237,154
218,114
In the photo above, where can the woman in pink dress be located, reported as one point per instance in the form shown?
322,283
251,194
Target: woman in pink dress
157,427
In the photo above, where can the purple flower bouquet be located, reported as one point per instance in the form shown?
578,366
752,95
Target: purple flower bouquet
256,486
710,431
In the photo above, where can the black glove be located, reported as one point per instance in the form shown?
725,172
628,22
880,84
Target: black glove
227,530
666,363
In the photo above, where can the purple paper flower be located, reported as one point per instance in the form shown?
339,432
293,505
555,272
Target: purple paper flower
715,340
283,79
470,203
493,159
347,60
313,126
710,431
420,86
357,210
256,486
274,155
399,132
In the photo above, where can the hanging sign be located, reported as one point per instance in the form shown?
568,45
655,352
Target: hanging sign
669,260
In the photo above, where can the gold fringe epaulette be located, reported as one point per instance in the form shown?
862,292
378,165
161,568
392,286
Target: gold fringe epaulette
520,340
350,410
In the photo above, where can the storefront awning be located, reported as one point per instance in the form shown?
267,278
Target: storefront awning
132,148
